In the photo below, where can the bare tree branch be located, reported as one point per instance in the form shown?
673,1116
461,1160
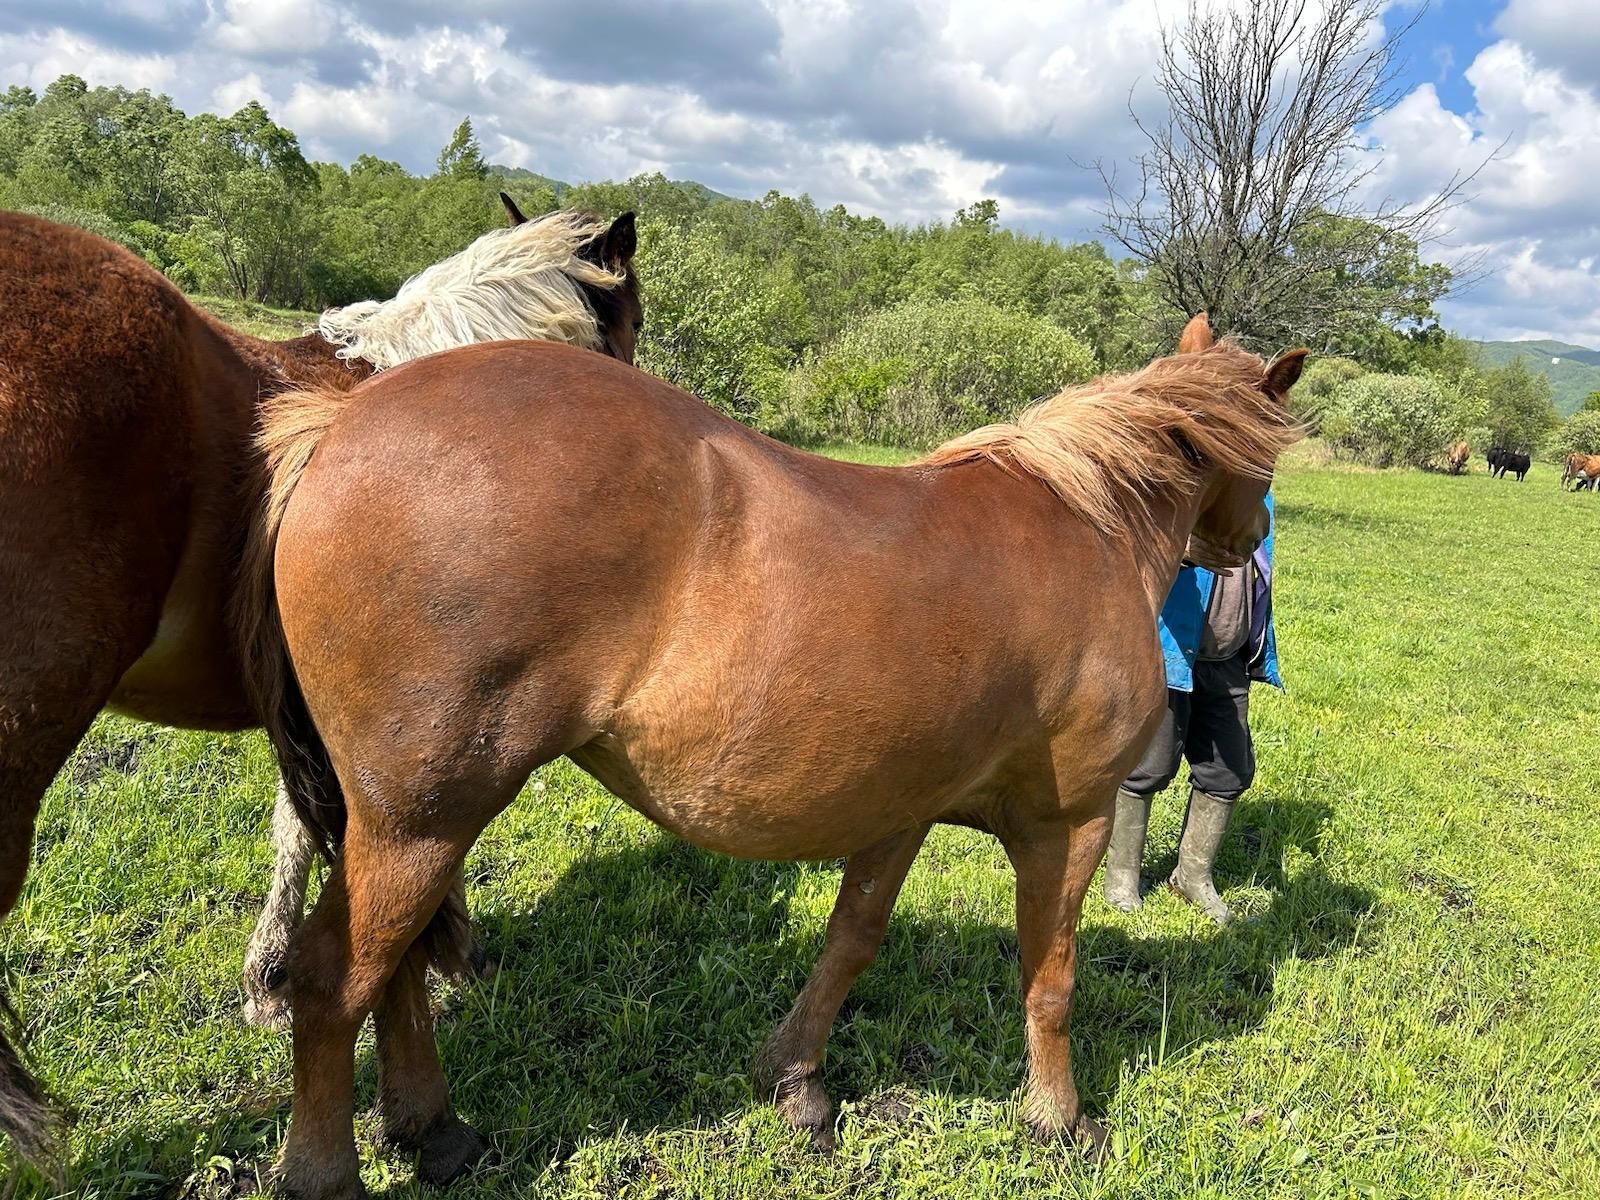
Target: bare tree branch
1252,199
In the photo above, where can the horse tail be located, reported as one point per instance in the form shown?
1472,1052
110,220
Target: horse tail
292,426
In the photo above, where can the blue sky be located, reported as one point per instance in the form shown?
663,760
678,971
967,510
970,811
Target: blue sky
905,108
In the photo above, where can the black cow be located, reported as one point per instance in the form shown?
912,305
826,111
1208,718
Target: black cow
1502,461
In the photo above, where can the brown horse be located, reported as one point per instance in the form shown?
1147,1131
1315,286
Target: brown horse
510,553
1581,470
1457,457
129,477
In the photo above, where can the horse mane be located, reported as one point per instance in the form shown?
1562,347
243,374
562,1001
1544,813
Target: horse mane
525,281
1108,447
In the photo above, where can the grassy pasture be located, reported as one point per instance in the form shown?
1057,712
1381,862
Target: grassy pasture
1410,1013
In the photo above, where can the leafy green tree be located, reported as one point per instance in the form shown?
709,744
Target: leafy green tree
462,157
1579,433
250,194
714,323
1591,403
1520,411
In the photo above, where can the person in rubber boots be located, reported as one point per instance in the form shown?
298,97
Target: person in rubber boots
1216,638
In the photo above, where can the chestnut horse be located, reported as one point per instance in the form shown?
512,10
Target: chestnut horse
129,476
1581,470
1457,457
513,552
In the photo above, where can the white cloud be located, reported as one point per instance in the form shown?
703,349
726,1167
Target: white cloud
1561,33
37,59
274,28
228,98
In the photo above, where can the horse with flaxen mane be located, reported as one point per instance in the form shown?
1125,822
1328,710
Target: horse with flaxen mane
129,476
1581,471
516,552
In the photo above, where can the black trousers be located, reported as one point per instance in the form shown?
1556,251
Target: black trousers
1209,726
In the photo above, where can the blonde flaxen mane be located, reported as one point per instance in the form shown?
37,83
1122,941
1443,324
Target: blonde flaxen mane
521,282
1109,446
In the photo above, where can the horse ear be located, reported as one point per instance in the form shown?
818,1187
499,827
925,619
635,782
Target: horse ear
1283,372
620,243
1196,335
513,213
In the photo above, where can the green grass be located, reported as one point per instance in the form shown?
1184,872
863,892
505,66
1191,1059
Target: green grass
1411,1012
246,315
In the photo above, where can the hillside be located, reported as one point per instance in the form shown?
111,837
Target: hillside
532,179
1573,371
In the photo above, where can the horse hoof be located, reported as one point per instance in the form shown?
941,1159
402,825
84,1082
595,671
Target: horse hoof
450,1150
269,1012
266,994
806,1106
1090,1137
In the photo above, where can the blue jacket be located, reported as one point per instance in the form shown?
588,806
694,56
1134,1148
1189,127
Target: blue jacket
1183,619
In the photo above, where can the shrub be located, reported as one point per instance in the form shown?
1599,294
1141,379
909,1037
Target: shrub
1389,420
1578,434
1309,398
83,218
714,322
924,370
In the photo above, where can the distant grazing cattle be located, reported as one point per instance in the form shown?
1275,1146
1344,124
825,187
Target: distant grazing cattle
1581,470
1457,458
1503,461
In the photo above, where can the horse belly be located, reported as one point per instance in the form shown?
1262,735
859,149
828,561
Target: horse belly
189,676
755,814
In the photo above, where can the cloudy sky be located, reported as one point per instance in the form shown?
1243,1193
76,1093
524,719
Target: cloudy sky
906,108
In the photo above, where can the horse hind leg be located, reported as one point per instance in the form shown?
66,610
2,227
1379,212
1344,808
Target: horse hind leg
414,1111
789,1068
458,952
60,657
266,962
35,741
380,909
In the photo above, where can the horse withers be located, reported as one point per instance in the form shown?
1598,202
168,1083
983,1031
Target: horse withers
129,475
511,553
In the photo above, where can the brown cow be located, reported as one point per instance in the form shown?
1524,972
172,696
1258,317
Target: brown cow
1581,470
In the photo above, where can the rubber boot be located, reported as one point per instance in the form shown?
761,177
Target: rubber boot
1126,851
1203,830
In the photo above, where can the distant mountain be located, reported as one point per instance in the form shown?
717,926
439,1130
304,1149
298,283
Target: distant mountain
523,177
1573,371
529,179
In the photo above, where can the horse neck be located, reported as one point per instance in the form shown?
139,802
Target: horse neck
1160,555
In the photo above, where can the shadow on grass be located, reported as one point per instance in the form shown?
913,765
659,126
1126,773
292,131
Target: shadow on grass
633,995
637,991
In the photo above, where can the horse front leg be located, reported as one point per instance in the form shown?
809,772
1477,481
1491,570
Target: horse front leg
266,962
789,1068
1054,861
